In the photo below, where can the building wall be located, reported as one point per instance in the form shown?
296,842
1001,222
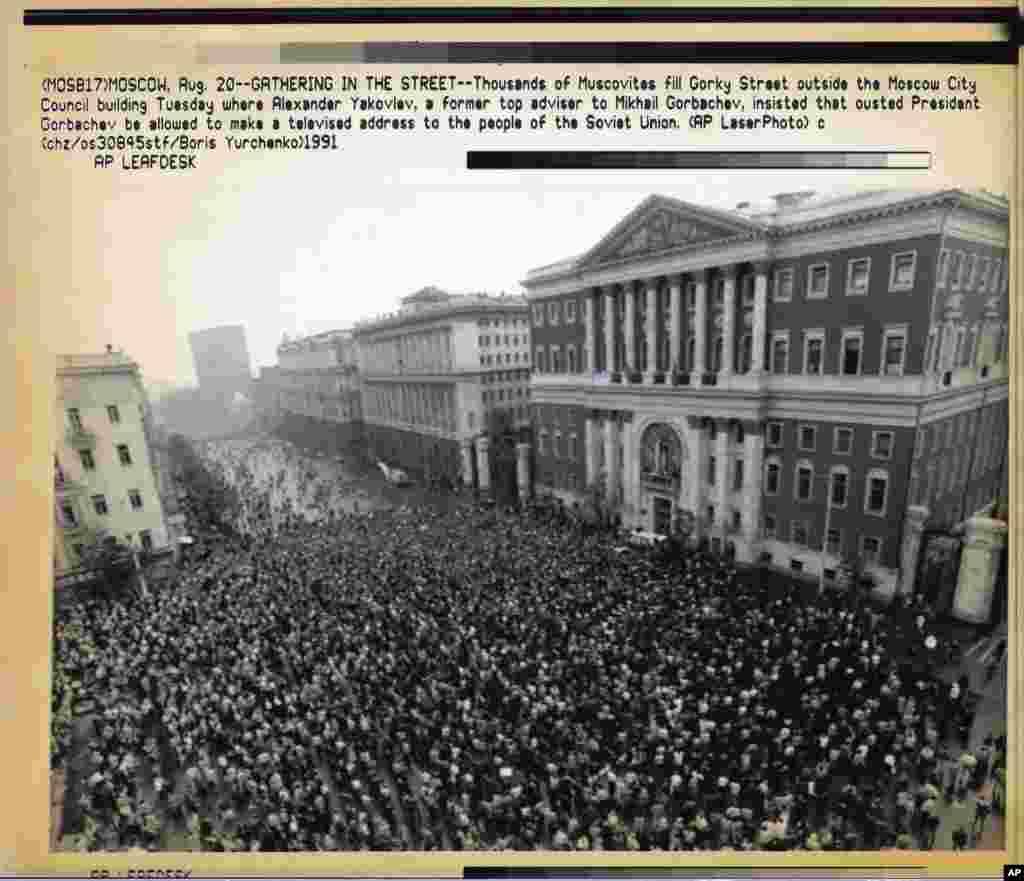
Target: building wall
960,463
852,521
91,394
221,359
559,433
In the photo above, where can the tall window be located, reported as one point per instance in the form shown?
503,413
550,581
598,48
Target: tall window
857,273
783,286
817,281
774,434
691,352
842,441
553,310
852,344
146,537
840,487
712,462
901,273
894,352
124,455
746,353
780,353
881,444
814,352
135,498
772,475
572,359
570,313
804,482
113,414
955,267
75,418
88,462
68,512
538,314
808,438
877,492
737,483
716,358
100,505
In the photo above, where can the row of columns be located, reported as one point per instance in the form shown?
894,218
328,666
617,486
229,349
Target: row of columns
483,465
619,436
676,356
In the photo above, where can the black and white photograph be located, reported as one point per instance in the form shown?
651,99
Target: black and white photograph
404,509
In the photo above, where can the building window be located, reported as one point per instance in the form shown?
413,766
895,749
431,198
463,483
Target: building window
135,499
737,521
746,352
877,492
716,355
857,274
881,444
114,414
834,543
553,310
70,518
124,455
808,438
870,550
88,462
691,352
804,489
769,526
942,269
737,483
711,514
740,433
711,470
100,504
840,487
780,353
817,281
543,442
902,270
842,441
570,311
814,352
894,351
572,451
571,350
538,314
798,533
146,538
783,287
75,418
774,432
772,474
852,344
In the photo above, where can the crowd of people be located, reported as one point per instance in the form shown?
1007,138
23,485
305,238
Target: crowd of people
324,676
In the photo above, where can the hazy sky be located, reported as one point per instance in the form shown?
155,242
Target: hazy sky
301,243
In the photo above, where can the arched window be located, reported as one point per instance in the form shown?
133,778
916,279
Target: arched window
716,358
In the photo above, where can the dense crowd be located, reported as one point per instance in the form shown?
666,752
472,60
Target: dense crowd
330,677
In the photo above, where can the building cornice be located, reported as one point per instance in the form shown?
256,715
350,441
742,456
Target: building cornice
442,312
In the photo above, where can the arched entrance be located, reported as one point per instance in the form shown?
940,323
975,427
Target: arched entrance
661,469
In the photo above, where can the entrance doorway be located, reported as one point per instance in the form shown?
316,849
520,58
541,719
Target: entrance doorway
662,516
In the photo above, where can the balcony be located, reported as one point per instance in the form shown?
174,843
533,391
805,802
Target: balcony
80,439
660,480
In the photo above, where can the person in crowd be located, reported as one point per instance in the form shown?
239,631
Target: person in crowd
324,677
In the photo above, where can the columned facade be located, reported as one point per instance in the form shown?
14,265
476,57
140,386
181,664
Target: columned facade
760,377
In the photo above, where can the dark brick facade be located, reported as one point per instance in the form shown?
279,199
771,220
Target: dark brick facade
559,434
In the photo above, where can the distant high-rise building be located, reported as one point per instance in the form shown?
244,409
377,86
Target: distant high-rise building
221,359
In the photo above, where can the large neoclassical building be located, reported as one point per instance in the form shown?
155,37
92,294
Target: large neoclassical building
812,381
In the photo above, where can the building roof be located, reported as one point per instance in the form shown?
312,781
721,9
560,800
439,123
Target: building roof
69,365
783,214
428,308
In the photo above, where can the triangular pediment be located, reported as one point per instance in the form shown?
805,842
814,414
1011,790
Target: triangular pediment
661,224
